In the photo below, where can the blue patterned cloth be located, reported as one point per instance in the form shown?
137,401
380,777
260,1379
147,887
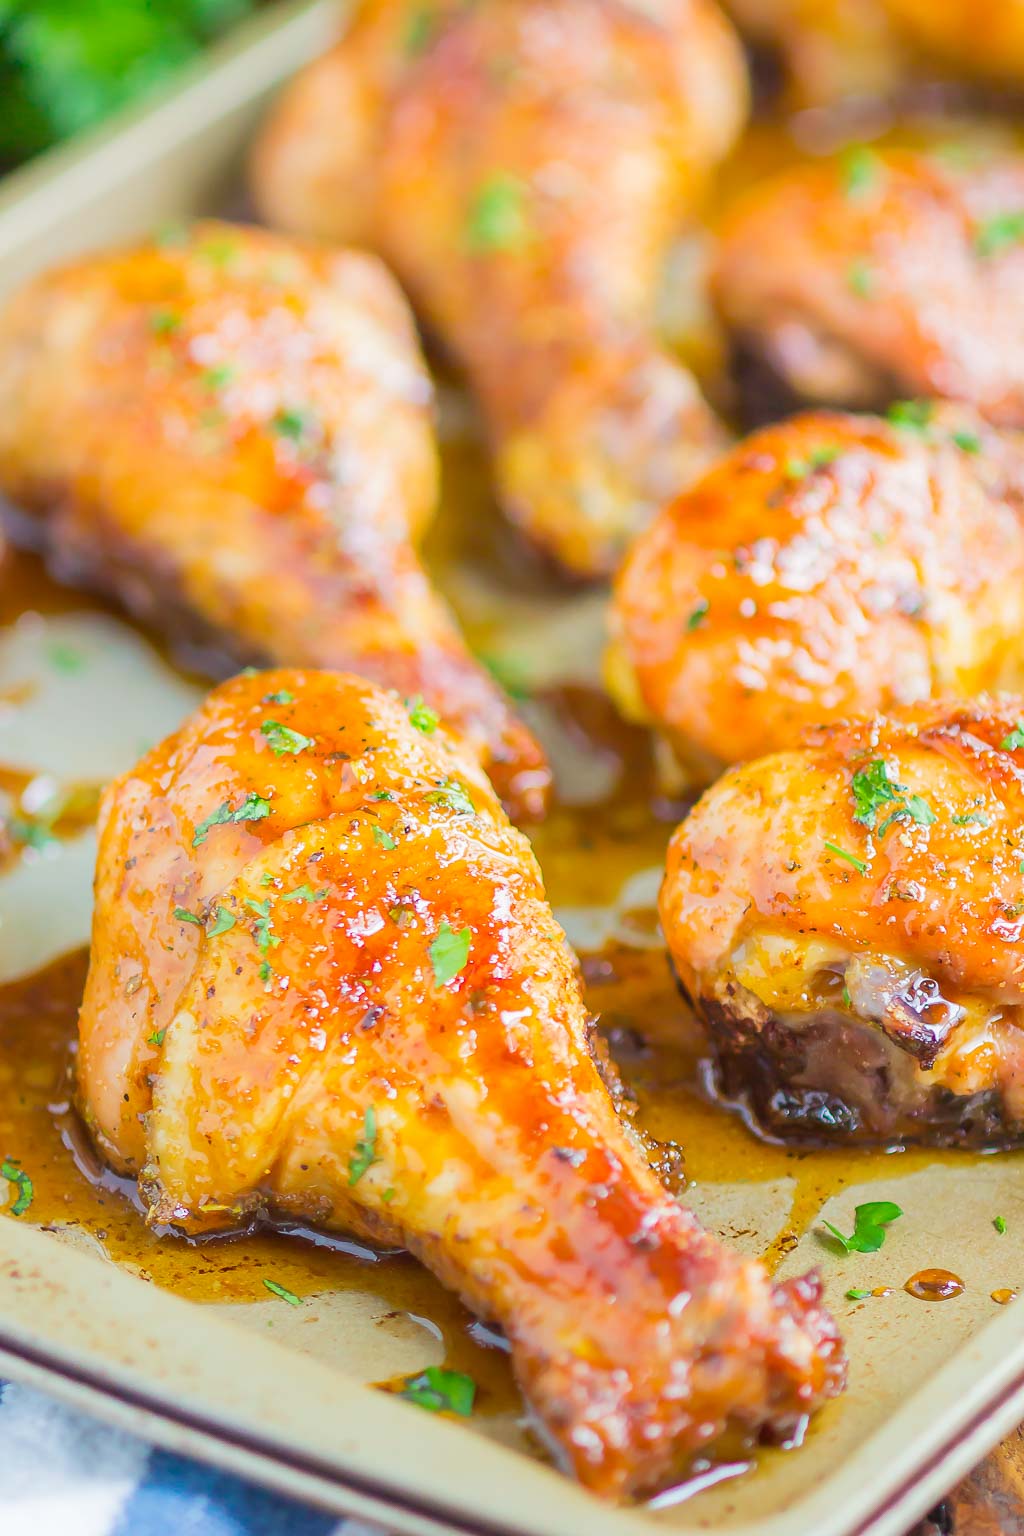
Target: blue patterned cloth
68,1475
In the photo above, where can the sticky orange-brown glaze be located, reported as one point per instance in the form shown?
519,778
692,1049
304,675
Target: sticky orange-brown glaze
829,565
232,432
550,150
374,1023
882,274
849,915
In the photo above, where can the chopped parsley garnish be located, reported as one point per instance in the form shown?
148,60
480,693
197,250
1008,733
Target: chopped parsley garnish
19,1178
869,1224
382,794
265,972
698,613
184,916
513,675
873,788
860,279
266,938
911,415
455,796
970,819
217,377
283,739
382,837
441,1391
418,31
305,893
799,469
164,322
860,168
999,232
422,717
279,1290
855,1295
157,1037
221,250
916,807
63,657
222,923
967,442
999,1222
497,219
364,1152
290,423
1015,740
859,864
449,953
252,808
31,834
283,697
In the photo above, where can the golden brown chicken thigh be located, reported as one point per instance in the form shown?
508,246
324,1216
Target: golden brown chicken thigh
231,432
325,982
879,275
829,565
523,165
849,918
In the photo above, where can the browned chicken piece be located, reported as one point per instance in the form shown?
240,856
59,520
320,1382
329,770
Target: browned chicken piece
877,275
848,917
832,49
231,432
829,565
326,984
524,165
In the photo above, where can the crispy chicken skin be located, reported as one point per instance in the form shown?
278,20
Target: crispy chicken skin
828,565
848,917
550,149
374,1023
878,275
232,433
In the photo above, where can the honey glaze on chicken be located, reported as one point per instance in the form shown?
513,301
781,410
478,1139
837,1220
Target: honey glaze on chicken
848,917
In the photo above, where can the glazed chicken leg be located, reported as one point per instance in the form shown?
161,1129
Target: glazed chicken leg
876,276
231,432
325,983
550,149
848,916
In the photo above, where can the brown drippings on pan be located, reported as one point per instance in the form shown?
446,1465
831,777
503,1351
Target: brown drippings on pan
934,1285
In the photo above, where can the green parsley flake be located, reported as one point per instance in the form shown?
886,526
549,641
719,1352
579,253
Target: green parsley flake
455,796
283,739
9,1170
449,953
799,469
855,1295
63,657
222,923
421,716
283,697
860,279
265,972
497,219
252,808
184,916
221,250
698,613
383,838
157,1037
282,1291
911,415
998,233
217,377
164,322
31,834
265,936
511,673
418,31
869,1224
305,893
1015,740
364,1154
970,819
967,442
999,1222
441,1391
873,788
290,423
860,168
859,864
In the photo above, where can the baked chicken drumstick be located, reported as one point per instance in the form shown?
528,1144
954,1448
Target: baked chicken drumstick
876,276
231,432
829,565
325,983
550,150
849,918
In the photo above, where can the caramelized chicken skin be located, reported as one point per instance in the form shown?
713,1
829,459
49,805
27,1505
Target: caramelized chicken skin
550,149
880,275
829,565
231,432
848,917
325,982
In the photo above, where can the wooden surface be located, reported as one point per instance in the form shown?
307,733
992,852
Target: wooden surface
988,1503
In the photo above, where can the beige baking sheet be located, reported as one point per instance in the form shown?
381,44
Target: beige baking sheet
279,1393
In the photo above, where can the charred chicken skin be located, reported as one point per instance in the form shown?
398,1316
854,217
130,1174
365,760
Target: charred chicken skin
231,432
829,565
550,149
876,276
325,983
848,917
